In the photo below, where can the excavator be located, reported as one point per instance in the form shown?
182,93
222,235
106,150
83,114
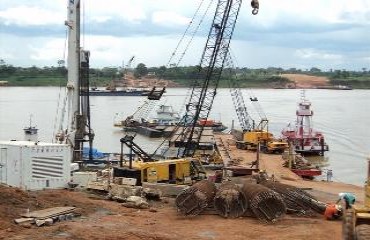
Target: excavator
252,135
356,220
186,167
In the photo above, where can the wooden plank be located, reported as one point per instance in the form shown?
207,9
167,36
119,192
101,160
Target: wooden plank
45,213
23,220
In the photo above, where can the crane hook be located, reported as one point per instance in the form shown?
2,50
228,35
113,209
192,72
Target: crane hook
255,5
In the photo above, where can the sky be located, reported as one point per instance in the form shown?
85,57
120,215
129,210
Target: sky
330,34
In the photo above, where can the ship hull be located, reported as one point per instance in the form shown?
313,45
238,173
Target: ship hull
118,93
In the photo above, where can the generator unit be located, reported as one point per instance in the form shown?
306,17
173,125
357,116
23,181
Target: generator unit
35,165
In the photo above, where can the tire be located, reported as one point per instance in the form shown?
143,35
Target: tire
348,227
363,232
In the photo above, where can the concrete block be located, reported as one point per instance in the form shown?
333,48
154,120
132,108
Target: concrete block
167,190
69,216
136,202
62,217
48,222
124,191
39,222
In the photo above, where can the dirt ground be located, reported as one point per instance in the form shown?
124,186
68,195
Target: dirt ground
306,81
103,219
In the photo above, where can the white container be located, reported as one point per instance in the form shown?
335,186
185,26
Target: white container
83,178
34,165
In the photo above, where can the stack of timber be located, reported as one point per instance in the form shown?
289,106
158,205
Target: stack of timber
47,216
229,201
296,200
193,200
264,203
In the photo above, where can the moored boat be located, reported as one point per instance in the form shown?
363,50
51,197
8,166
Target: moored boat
302,136
123,92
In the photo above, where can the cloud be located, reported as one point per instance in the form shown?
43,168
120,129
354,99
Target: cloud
288,33
51,50
30,16
166,18
316,55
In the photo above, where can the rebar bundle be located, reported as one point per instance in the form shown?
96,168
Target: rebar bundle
296,200
196,198
229,201
265,204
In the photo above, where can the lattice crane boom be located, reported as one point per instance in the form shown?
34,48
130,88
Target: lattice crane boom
210,69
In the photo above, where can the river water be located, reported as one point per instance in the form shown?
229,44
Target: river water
343,117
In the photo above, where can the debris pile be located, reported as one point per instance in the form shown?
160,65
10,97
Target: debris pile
229,201
133,196
193,200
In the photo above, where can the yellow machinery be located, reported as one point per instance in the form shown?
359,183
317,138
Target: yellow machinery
147,169
177,171
356,221
265,138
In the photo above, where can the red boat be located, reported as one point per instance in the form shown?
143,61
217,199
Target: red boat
307,173
304,138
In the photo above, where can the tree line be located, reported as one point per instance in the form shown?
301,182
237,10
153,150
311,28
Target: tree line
246,77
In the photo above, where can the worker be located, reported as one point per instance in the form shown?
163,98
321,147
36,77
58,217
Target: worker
348,198
329,175
333,211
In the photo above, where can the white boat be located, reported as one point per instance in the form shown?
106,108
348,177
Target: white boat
166,116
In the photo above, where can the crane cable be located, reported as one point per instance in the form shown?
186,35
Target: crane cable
185,33
194,32
184,52
62,64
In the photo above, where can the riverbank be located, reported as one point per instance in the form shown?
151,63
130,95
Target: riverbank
273,165
103,219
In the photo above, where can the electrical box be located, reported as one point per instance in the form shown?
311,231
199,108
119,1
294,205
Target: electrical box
35,165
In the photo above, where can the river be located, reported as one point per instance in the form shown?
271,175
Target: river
343,117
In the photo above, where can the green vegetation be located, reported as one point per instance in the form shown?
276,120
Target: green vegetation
246,77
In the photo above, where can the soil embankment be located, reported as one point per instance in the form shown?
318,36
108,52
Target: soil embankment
307,81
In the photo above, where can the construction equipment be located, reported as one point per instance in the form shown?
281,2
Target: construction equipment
198,107
251,135
210,70
78,130
356,220
136,119
148,169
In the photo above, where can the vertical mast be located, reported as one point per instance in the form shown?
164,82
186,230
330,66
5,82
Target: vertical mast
79,127
73,62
